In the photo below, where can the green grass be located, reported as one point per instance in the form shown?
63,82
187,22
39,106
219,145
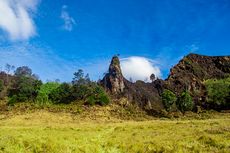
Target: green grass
43,131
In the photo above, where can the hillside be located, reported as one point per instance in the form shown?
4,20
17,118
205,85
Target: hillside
191,72
188,75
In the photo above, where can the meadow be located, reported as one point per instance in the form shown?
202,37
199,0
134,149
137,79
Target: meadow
49,132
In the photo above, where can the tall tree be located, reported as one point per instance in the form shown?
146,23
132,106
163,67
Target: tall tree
8,68
80,79
23,71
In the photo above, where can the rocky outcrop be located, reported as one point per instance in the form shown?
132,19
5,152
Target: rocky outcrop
191,72
145,95
113,81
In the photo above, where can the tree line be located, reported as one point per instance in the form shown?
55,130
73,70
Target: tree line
24,86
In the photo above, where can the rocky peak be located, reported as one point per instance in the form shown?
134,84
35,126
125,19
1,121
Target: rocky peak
114,80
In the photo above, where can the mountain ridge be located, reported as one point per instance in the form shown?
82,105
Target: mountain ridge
188,75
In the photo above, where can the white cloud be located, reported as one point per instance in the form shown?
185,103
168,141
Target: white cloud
69,21
139,68
16,18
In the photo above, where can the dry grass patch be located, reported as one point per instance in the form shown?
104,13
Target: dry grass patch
44,131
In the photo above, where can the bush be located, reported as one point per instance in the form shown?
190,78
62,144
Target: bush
218,93
185,102
62,94
104,99
88,91
24,89
168,99
45,90
91,100
97,95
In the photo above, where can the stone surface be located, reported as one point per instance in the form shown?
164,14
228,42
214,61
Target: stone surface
113,81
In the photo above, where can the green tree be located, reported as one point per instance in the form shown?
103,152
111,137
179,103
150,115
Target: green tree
23,71
80,78
185,102
168,99
24,89
97,95
82,89
62,94
218,93
8,68
45,90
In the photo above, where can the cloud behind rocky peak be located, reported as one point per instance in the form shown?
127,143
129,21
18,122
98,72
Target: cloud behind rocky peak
139,68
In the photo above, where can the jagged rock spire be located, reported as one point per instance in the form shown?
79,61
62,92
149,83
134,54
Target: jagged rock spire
114,80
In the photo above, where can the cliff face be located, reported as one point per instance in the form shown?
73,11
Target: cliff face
145,95
193,70
189,74
113,81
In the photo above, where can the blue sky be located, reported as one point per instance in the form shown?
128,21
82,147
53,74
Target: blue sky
55,38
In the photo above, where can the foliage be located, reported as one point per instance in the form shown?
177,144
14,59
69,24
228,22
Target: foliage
23,71
90,92
62,94
80,79
185,102
45,90
24,89
168,99
97,96
9,67
218,93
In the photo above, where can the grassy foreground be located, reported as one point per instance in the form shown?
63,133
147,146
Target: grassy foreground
43,131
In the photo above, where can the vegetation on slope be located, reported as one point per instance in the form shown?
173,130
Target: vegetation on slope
26,87
218,93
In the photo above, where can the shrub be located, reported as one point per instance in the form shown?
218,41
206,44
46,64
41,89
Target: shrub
97,95
218,93
168,99
62,94
91,100
88,91
45,90
24,89
104,99
185,102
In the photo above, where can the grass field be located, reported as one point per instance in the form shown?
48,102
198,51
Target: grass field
43,131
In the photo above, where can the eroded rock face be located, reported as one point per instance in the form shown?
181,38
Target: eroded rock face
113,81
145,95
191,72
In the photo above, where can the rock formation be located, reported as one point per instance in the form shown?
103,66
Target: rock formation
113,81
189,74
145,95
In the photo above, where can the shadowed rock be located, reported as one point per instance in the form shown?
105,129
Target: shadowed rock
145,95
113,81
